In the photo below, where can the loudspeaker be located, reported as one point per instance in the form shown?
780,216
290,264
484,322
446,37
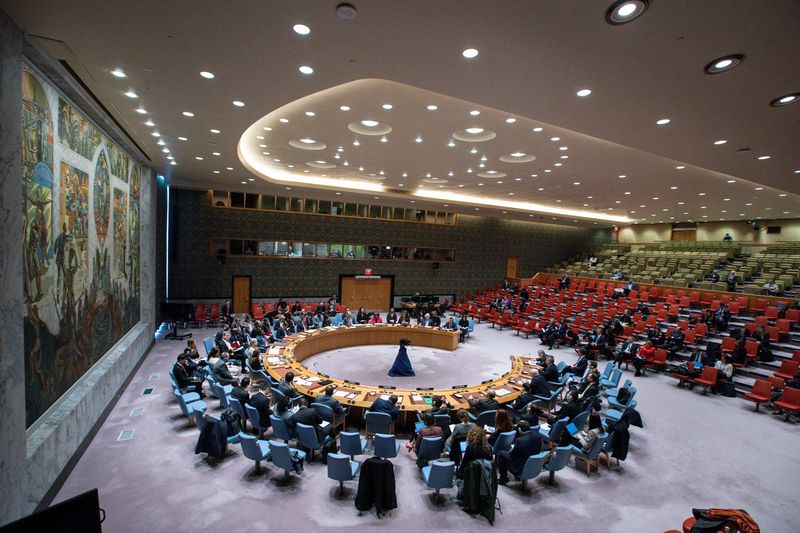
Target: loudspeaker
435,265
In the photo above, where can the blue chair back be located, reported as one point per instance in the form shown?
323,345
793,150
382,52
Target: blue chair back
533,465
340,467
628,383
441,474
608,446
236,405
430,448
255,418
486,418
557,429
251,447
307,436
350,443
324,411
561,366
560,459
386,446
581,419
504,441
597,446
378,422
208,344
613,382
471,325
443,421
607,370
280,429
199,418
280,455
337,320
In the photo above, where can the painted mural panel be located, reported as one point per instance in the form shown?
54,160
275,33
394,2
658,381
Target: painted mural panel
81,287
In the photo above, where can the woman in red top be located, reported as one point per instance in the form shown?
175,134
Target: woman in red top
646,354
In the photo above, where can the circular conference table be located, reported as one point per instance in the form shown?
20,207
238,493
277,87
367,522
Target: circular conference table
288,357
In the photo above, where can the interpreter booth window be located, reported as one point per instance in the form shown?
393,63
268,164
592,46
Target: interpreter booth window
251,201
336,250
386,252
322,250
219,246
296,205
266,248
398,213
410,215
237,199
310,206
351,210
363,211
349,251
250,247
324,207
337,208
220,199
361,252
236,247
267,202
309,249
375,211
281,248
281,203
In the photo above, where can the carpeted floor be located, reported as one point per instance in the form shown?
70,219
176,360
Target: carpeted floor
694,451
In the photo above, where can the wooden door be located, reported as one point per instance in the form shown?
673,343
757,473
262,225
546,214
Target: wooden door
512,267
684,235
241,294
372,294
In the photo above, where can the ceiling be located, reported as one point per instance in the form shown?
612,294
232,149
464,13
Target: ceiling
534,56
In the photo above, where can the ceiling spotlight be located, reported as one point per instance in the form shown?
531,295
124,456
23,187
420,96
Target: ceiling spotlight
346,11
182,139
451,143
731,181
584,93
763,157
207,75
518,154
785,100
187,114
537,130
356,143
305,69
474,112
283,120
387,106
301,29
131,94
622,176
723,64
238,103
470,53
307,141
344,107
370,123
624,11
432,108
418,139
721,141
118,73
141,110
663,121
510,120
198,158
173,163
150,123
474,150
554,139
215,131
474,131
680,167
384,139
155,134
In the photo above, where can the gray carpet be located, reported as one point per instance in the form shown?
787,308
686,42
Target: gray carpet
694,451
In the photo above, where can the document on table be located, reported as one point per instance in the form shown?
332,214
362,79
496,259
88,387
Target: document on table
303,382
416,398
341,394
502,392
274,360
275,350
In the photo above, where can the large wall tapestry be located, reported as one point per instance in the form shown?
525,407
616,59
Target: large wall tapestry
81,244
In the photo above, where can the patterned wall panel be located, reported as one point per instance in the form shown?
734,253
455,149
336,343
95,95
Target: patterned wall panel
482,246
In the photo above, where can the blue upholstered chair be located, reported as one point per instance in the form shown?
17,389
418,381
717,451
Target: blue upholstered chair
591,458
607,450
208,344
558,461
199,418
533,467
607,371
613,381
237,407
341,469
254,449
614,404
504,441
581,419
327,414
280,429
307,437
222,394
210,419
561,366
281,455
386,446
351,443
439,475
547,401
612,393
429,449
486,418
378,423
554,435
255,420
189,402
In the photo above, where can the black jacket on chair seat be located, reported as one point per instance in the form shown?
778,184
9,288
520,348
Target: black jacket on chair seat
376,486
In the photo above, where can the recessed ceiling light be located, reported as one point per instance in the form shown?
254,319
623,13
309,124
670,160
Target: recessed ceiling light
182,139
301,29
432,108
238,103
207,75
759,188
673,188
267,128
150,123
723,64
307,141
387,106
165,150
510,120
540,189
517,154
198,158
451,143
131,94
785,100
170,157
576,183
344,107
547,170
537,130
622,176
726,199
370,123
118,73
534,175
782,194
558,164
216,154
663,121
721,141
470,53
584,92
173,163
748,204
554,139
627,193
517,179
731,181
418,139
656,198
763,157
283,120
474,112
701,194
624,11
229,168
155,134
141,110
681,203
474,131
680,167
305,69
384,139
217,172
187,114
214,130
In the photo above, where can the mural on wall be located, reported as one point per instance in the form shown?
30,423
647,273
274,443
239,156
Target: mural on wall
81,287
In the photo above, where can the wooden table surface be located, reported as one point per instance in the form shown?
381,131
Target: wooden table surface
288,357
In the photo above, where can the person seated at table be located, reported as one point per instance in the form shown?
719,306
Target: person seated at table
450,325
375,319
290,393
429,430
278,331
347,318
251,348
477,448
645,354
362,317
526,443
569,410
221,372
391,317
297,308
674,342
550,371
502,423
260,400
308,322
327,398
463,327
319,320
580,365
184,378
586,436
310,417
436,320
725,374
489,403
405,318
255,360
240,391
386,406
191,349
425,320
438,406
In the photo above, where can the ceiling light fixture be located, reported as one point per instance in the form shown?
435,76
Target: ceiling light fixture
187,114
432,108
625,11
305,69
207,75
131,94
150,123
537,130
785,100
344,107
663,121
238,103
214,131
387,106
118,73
182,139
418,139
474,112
370,123
763,157
384,139
301,29
141,110
470,53
474,131
583,93
510,120
724,64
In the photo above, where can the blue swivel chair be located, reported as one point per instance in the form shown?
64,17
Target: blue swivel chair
199,418
558,461
386,446
281,456
280,429
328,415
210,419
581,419
208,344
429,449
613,381
547,401
504,441
351,443
254,449
341,469
439,475
591,458
190,402
255,420
237,407
612,393
307,437
532,469
486,418
378,423
554,435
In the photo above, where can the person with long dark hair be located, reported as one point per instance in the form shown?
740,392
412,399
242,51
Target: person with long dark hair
402,364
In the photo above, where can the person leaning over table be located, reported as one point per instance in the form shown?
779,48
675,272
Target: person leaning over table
484,404
327,399
386,406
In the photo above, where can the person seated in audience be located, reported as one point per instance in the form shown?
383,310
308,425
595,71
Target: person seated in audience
240,391
429,430
538,384
391,317
739,355
655,335
771,287
477,448
586,436
463,327
713,277
589,390
502,423
561,335
248,352
547,330
727,237
191,350
221,372
526,443
617,275
386,406
674,343
489,403
461,429
362,317
600,346
564,282
213,357
550,371
722,316
725,374
436,321
327,398
580,365
184,377
310,417
291,326
347,318
260,400
572,407
438,406
255,360
524,295
731,281
645,354
405,318
592,261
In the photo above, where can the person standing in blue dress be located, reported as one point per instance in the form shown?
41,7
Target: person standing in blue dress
402,364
